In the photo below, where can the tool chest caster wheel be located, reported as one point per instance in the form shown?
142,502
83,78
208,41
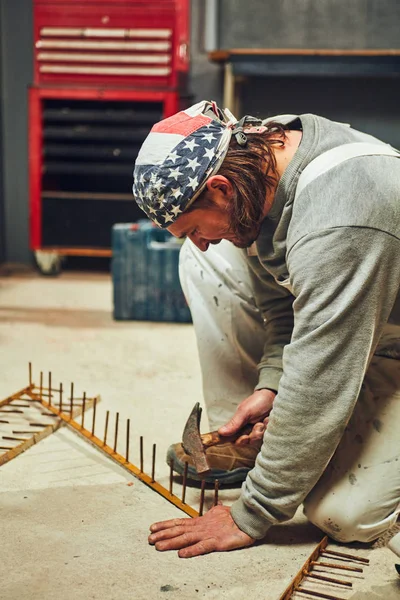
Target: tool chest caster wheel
48,263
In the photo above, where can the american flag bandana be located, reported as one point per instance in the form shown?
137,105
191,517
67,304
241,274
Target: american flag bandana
176,159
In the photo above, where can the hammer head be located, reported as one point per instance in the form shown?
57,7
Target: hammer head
192,442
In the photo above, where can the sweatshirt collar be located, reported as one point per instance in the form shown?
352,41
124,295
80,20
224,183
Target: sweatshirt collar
286,188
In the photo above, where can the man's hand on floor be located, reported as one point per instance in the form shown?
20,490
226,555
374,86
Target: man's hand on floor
254,409
216,531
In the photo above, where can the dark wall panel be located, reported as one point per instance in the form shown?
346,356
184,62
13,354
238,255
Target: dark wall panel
370,105
16,42
2,226
205,77
341,24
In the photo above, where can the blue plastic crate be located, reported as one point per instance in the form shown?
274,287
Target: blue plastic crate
145,274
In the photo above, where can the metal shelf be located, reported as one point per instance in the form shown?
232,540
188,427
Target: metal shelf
56,195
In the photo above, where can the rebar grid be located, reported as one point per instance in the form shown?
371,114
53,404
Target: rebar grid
26,398
307,572
55,406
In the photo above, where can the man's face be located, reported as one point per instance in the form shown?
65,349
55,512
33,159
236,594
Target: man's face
205,226
211,223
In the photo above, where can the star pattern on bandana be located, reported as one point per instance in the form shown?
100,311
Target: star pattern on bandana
209,153
168,218
209,137
165,190
176,193
191,144
193,163
193,182
175,174
176,210
173,157
158,184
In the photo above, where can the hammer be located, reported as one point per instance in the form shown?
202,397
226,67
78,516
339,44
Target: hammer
195,444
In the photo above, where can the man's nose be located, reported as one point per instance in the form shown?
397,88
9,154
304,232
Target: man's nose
199,242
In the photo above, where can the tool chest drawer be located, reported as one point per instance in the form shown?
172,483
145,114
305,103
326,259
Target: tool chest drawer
104,72
91,146
119,43
82,152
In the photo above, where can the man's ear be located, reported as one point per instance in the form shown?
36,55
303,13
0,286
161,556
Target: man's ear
221,183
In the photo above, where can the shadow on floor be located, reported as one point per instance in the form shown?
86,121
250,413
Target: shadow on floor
72,318
62,317
390,591
289,534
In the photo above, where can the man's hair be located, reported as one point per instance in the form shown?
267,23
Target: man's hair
251,169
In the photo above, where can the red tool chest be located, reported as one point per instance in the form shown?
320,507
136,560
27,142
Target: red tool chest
116,42
104,72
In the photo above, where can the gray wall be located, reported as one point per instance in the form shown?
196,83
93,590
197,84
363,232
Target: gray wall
2,227
370,104
309,24
16,74
206,77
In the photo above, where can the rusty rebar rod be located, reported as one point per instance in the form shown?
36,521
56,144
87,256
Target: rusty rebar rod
41,386
71,401
8,437
83,410
128,426
94,415
116,432
106,427
153,464
171,476
185,472
49,388
314,563
120,459
298,578
2,421
347,556
203,487
7,447
16,411
39,424
216,489
30,373
330,579
61,395
317,594
141,454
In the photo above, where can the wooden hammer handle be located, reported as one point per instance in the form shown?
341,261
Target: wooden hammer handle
214,438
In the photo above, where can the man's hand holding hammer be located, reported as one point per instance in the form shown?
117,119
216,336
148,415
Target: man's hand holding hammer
254,410
216,531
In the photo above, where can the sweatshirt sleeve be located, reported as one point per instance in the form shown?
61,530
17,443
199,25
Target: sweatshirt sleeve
275,305
345,281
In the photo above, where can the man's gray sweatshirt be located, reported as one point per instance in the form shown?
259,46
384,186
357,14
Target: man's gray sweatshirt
336,250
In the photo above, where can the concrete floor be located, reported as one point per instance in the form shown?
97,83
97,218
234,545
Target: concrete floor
73,523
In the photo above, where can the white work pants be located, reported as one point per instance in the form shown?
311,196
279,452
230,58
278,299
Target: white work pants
358,496
228,325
